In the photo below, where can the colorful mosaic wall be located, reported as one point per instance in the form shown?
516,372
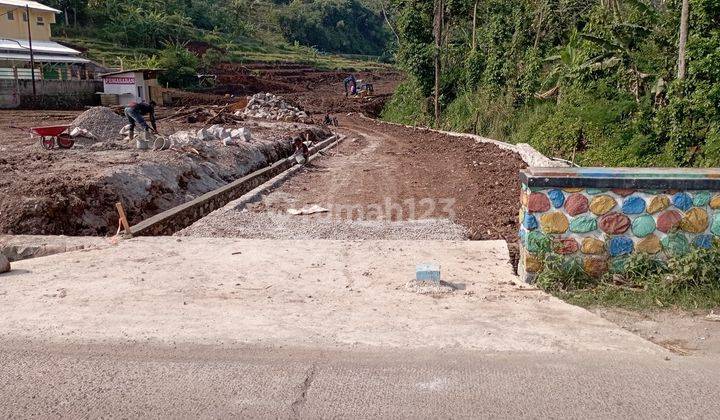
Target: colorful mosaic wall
602,226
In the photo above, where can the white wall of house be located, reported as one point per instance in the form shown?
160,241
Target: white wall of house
129,86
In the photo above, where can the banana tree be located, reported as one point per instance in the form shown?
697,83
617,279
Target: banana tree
618,51
566,67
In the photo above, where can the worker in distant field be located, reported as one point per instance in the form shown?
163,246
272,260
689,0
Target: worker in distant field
352,83
135,111
330,120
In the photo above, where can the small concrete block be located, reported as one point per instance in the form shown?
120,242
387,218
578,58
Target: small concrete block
427,272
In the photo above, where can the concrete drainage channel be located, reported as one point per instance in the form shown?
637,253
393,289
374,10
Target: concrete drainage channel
179,217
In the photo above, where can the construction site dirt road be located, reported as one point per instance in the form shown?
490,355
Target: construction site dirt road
73,192
387,173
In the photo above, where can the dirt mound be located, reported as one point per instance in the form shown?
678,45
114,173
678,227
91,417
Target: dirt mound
182,98
102,122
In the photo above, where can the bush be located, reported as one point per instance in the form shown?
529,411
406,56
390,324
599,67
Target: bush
480,113
698,268
562,274
584,125
408,105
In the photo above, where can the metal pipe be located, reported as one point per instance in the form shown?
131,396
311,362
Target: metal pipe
32,57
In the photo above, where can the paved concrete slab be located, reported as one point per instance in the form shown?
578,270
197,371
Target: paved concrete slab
329,294
145,381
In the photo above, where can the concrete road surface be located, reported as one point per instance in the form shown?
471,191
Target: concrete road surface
314,293
193,327
141,381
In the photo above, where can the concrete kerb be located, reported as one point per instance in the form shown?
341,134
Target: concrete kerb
179,217
526,152
23,247
256,194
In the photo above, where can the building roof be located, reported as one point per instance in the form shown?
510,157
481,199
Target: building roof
31,4
14,45
43,58
114,73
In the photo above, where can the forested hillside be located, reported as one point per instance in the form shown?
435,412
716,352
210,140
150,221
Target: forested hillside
600,82
336,26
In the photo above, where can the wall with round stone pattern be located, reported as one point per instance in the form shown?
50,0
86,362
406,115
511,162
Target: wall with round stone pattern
601,227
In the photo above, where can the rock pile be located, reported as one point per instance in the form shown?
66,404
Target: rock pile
228,136
101,122
272,107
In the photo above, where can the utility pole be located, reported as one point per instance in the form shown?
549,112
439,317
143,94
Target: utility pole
32,56
683,38
438,24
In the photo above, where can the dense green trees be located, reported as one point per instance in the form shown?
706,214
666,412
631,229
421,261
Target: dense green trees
330,25
592,80
334,25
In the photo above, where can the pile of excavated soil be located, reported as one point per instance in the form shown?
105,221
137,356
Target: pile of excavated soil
74,191
102,122
316,91
328,94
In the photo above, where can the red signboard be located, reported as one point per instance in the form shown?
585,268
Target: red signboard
115,80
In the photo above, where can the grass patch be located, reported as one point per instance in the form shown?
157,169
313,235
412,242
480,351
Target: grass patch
688,280
608,295
407,105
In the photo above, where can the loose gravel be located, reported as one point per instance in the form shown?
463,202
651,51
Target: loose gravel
272,225
102,122
429,288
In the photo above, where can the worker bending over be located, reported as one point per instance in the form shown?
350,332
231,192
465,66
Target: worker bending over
352,83
300,149
135,111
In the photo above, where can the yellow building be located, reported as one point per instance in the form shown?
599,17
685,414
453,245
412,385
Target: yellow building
52,60
14,20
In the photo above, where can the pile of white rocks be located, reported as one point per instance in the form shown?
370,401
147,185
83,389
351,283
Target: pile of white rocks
272,107
228,136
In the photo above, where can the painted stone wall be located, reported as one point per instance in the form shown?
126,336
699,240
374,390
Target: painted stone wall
602,226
